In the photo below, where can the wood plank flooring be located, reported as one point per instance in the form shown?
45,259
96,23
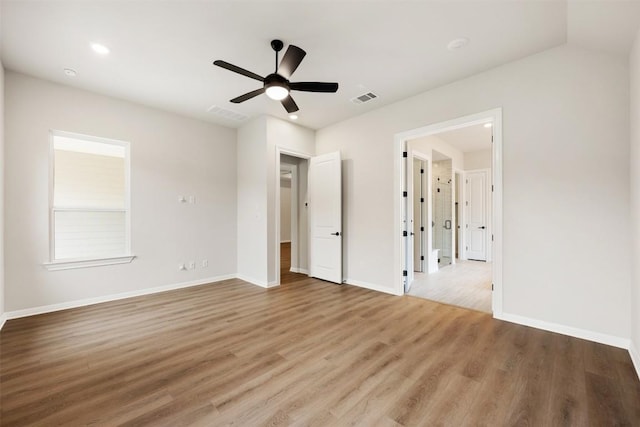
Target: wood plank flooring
308,353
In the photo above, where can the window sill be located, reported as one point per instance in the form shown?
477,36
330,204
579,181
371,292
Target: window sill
84,263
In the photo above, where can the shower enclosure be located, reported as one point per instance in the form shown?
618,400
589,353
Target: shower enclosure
442,224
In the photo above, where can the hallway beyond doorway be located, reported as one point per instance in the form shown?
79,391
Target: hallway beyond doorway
286,275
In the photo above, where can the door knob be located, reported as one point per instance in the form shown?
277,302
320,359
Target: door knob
337,233
482,228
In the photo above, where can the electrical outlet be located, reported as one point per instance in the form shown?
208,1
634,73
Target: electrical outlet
205,263
192,265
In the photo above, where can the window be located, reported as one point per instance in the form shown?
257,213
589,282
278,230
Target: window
89,201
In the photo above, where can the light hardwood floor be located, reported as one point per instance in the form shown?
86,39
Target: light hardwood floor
464,284
308,353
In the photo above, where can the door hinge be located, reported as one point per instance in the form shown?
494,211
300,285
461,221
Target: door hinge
491,137
404,194
421,199
421,228
492,286
404,154
404,234
466,247
421,170
404,273
466,203
467,181
421,257
492,188
492,237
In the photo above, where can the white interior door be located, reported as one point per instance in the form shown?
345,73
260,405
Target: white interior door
476,227
419,215
325,217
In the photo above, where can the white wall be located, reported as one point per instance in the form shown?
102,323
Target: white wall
285,210
427,144
566,132
634,72
252,201
2,168
477,160
170,156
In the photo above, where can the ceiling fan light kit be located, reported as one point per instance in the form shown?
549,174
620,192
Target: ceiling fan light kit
277,85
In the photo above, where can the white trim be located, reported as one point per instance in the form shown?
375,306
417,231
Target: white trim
252,281
373,287
285,241
299,270
400,143
635,357
566,330
113,297
84,263
3,320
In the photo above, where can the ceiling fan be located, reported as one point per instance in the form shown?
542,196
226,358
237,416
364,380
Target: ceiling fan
277,85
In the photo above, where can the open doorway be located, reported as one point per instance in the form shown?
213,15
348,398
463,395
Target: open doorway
293,221
461,264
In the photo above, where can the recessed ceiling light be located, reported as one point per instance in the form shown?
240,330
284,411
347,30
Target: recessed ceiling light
488,125
70,72
293,116
100,48
458,43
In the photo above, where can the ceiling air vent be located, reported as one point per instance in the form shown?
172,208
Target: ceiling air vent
364,98
226,114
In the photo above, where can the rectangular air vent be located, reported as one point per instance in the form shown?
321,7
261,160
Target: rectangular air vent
226,114
366,97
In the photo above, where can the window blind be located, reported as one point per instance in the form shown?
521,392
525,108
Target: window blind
89,211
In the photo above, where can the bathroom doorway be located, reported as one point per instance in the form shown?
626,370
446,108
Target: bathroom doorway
442,271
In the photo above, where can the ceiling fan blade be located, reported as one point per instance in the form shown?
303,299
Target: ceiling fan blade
290,61
238,70
248,95
314,86
289,104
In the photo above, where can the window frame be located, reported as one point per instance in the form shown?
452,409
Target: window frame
64,264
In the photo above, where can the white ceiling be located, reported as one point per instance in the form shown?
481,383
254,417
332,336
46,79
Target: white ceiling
162,51
468,139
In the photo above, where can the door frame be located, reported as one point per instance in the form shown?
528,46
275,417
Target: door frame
461,218
292,153
400,185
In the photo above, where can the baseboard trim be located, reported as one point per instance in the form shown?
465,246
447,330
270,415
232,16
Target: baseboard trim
566,330
635,357
370,286
253,281
299,270
113,297
3,320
